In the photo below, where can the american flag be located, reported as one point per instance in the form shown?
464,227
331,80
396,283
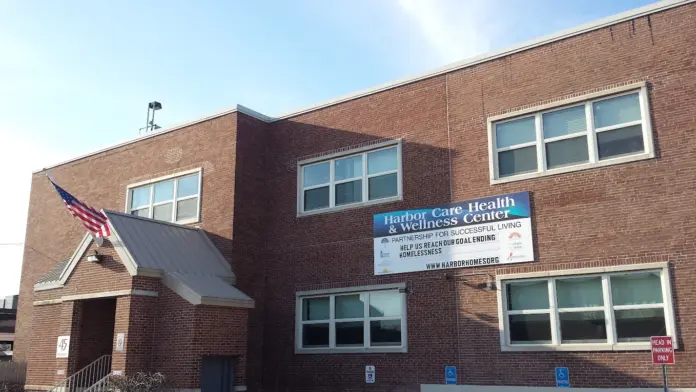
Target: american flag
93,220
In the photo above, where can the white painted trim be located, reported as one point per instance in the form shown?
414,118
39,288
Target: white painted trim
108,294
173,176
48,286
103,294
578,30
39,387
79,252
591,133
667,305
47,302
364,177
365,319
568,102
121,250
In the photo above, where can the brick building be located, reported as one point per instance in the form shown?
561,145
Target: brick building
586,138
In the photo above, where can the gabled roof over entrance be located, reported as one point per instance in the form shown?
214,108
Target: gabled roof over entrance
184,257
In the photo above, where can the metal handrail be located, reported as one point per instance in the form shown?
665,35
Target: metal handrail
102,385
86,377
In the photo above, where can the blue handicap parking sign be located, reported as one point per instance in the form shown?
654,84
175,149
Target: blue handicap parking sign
562,377
450,375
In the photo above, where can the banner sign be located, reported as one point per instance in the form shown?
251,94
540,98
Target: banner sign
491,230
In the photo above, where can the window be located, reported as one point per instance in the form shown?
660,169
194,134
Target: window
603,131
173,199
352,322
355,179
618,310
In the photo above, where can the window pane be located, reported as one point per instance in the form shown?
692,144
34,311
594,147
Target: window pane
188,186
315,308
638,325
382,160
383,186
316,198
566,152
530,328
515,132
140,196
528,295
348,192
385,304
187,209
346,168
163,212
518,161
164,191
349,306
145,212
385,333
583,327
316,174
579,292
617,110
350,333
564,122
636,289
618,142
315,335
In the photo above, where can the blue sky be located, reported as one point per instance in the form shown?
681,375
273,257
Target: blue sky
76,76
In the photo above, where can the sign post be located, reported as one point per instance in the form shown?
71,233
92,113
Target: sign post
662,351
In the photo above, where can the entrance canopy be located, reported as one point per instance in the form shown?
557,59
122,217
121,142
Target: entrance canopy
184,257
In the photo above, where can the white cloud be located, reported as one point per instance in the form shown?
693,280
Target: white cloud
454,29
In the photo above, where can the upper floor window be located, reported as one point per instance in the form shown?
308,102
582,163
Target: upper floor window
585,134
352,321
357,178
172,199
609,311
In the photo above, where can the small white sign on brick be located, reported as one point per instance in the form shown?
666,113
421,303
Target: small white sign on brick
120,341
63,346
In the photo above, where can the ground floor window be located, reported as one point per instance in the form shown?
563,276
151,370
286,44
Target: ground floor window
610,310
352,320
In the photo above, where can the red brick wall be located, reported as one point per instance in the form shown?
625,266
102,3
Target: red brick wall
41,359
630,213
184,333
52,234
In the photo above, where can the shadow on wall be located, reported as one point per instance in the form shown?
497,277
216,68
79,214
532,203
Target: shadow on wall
275,253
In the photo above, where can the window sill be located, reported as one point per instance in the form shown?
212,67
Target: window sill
641,346
351,350
573,168
350,206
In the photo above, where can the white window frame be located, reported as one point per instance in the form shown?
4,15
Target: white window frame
590,132
612,343
174,199
332,294
364,177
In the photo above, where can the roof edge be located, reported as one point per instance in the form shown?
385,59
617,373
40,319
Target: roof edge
530,44
234,109
558,36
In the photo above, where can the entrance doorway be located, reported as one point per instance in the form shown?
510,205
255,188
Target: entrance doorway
217,374
96,330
